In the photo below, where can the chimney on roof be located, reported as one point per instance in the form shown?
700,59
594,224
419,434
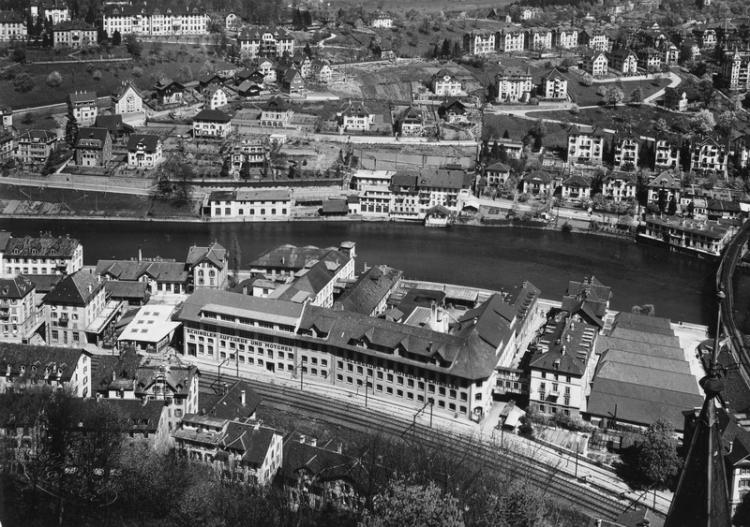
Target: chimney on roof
140,254
243,399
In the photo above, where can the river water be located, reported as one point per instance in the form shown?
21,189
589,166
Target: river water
681,288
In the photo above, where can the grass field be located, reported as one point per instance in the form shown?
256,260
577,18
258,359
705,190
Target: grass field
587,96
641,118
425,6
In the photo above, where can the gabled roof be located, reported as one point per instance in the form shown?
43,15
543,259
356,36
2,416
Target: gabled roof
295,258
77,289
37,136
498,167
250,440
229,405
113,123
124,88
176,378
149,142
132,270
215,254
35,359
93,138
82,97
369,290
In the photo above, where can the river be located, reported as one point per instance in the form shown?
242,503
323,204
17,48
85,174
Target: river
681,288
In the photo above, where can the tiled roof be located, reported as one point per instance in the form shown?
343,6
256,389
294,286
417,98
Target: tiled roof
229,405
213,300
252,441
126,290
21,409
321,463
215,254
131,270
37,136
111,372
15,288
294,258
76,289
44,283
17,355
82,96
215,116
177,378
41,247
92,138
369,289
113,123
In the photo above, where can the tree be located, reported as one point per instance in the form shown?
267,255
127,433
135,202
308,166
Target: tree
614,95
19,52
445,50
457,51
587,79
703,122
54,79
133,45
636,96
23,82
661,126
657,459
116,38
402,503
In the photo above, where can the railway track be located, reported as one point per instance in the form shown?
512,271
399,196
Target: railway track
725,283
559,485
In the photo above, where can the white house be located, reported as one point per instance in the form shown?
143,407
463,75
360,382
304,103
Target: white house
144,151
215,98
585,148
514,85
445,84
250,205
84,107
211,123
128,99
554,86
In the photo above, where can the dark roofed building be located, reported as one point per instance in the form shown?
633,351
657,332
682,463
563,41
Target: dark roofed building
368,295
161,275
286,260
93,147
25,367
132,293
115,125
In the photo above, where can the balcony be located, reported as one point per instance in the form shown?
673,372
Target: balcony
63,321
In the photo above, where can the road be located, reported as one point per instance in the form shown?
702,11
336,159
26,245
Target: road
75,182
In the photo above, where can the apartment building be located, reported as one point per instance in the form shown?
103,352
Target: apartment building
144,151
566,38
413,194
172,20
44,254
35,146
595,63
735,70
74,34
128,99
84,108
479,42
445,84
250,205
585,148
211,123
626,152
554,86
666,154
512,39
93,147
708,157
514,85
12,26
20,317
28,367
265,42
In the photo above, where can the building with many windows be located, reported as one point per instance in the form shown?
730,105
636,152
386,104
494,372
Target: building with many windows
163,20
566,38
620,186
626,152
35,146
27,367
414,194
709,157
538,39
595,63
554,86
666,154
452,368
585,148
479,42
20,317
265,42
12,26
211,123
250,205
128,99
735,70
44,254
77,312
514,85
445,84
74,34
93,147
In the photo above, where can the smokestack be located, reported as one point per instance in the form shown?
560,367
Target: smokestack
243,398
140,254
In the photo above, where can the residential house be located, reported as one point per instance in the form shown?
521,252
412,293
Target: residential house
562,367
706,38
84,108
446,84
566,38
246,154
355,116
620,186
77,312
554,86
211,123
705,238
35,146
497,174
144,151
144,20
453,112
172,382
292,81
414,194
93,147
595,63
576,188
73,34
114,125
539,183
239,452
268,68
167,92
666,154
277,113
128,99
40,255
666,186
529,13
671,54
12,26
538,39
411,122
382,21
514,85
624,60
20,317
649,59
208,266
585,148
163,276
249,89
7,145
320,476
6,117
626,152
735,70
370,293
594,39
232,22
511,39
322,71
479,42
708,157
215,98
265,42
26,368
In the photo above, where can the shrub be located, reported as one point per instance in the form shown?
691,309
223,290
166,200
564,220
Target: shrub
27,118
23,82
137,72
97,75
567,227
574,109
54,79
89,67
